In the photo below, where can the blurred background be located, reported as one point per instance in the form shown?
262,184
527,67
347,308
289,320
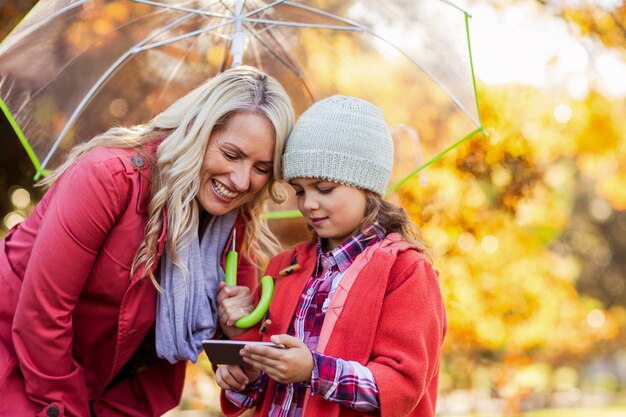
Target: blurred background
529,223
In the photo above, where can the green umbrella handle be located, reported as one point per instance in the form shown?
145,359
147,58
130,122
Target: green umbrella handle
231,268
267,291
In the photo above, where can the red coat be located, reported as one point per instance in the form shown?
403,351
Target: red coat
393,321
71,315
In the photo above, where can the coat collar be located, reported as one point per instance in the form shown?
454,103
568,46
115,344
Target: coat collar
286,297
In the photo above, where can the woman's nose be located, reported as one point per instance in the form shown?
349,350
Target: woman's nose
241,178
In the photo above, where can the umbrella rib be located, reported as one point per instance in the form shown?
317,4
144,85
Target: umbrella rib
449,3
307,25
68,63
115,66
356,26
181,9
185,36
265,29
285,61
262,9
176,68
322,13
361,28
55,14
435,79
227,7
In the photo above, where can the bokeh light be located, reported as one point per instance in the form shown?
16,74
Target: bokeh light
20,198
596,319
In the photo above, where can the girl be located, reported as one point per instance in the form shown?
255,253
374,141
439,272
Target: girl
358,309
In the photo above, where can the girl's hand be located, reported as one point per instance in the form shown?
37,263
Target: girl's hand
292,364
232,304
235,377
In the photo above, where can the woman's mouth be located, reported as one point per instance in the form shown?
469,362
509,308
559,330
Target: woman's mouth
223,192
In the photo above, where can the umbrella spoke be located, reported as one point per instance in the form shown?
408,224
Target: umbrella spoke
102,80
181,37
437,81
182,9
322,13
307,25
177,68
78,56
288,39
262,9
285,60
353,25
39,24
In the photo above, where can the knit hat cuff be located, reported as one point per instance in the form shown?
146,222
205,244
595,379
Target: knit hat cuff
337,167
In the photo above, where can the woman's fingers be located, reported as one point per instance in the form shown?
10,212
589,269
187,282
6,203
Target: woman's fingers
233,303
229,293
226,292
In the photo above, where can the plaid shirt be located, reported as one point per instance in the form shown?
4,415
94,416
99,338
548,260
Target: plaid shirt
345,382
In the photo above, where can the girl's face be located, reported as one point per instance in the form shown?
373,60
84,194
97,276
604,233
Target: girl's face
333,210
238,162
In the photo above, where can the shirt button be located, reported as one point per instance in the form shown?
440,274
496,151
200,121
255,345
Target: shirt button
310,291
52,411
325,263
138,161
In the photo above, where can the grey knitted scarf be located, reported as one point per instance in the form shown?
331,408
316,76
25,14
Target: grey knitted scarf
186,308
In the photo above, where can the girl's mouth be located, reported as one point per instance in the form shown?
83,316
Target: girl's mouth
317,221
223,192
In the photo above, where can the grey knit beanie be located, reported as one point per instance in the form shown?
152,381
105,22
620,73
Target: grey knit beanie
342,139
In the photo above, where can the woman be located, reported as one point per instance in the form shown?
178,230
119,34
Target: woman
80,278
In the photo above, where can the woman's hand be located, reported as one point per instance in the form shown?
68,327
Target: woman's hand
292,364
232,304
235,377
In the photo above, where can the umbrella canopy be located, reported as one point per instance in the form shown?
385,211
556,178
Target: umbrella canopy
73,68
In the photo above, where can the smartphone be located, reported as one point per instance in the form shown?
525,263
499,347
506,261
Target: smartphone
226,352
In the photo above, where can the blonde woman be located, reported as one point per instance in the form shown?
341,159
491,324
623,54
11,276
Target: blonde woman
110,284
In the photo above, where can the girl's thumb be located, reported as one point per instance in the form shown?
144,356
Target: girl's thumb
285,340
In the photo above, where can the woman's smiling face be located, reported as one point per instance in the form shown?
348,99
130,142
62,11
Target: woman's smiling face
238,162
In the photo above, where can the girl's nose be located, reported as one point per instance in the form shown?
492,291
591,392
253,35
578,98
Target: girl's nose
310,203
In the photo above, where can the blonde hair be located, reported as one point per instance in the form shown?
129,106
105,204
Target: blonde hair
188,124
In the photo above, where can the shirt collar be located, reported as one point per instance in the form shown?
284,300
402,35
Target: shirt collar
343,255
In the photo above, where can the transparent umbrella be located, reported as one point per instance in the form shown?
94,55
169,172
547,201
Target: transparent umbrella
73,68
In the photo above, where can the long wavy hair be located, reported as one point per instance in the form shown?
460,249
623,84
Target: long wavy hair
393,219
186,127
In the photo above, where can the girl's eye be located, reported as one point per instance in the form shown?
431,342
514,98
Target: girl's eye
326,190
229,156
299,192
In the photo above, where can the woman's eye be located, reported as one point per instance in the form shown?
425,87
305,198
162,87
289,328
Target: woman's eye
326,190
262,171
299,192
229,156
